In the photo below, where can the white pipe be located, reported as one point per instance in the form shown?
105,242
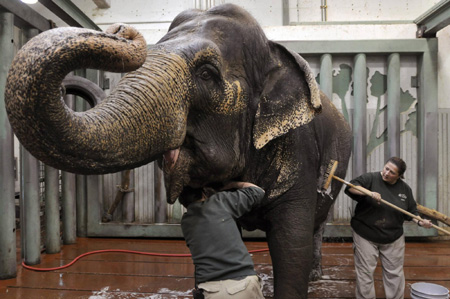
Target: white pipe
323,8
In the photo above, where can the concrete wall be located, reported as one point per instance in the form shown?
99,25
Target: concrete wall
346,20
153,17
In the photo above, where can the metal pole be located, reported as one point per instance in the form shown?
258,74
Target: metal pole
285,15
30,205
427,127
7,202
81,192
359,116
68,200
393,106
323,9
128,199
52,214
30,199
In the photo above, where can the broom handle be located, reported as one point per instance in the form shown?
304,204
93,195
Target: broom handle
369,193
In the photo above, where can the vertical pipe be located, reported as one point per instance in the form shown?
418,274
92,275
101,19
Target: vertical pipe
30,205
393,106
326,75
128,200
323,9
94,202
7,201
94,183
359,116
81,192
52,214
30,199
285,16
427,127
69,198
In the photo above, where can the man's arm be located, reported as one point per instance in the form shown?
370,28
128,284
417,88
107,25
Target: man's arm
239,185
245,197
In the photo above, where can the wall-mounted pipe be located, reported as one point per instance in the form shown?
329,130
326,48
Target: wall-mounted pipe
323,9
7,202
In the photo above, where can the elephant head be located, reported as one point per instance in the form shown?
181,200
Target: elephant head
213,90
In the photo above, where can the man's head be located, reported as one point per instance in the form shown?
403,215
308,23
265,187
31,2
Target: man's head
190,195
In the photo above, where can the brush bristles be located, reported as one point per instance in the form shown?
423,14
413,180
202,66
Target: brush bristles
329,173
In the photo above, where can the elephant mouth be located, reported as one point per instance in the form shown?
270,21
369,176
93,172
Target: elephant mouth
175,165
183,167
180,170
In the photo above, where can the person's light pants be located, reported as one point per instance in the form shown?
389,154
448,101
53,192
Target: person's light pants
247,288
366,255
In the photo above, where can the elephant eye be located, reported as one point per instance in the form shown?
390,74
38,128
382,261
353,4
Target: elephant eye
205,75
207,72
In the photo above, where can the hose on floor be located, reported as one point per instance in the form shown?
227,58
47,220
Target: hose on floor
118,251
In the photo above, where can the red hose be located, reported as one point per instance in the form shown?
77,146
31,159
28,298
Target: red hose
121,251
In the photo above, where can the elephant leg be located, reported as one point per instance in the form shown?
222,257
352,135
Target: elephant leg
324,203
316,271
290,242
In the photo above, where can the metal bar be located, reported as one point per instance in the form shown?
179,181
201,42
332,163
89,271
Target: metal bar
94,200
25,17
69,13
30,204
69,208
7,202
433,20
52,222
31,220
81,192
285,16
128,200
359,115
323,9
427,122
410,46
326,75
393,106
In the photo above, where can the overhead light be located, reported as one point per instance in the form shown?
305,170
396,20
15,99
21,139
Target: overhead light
29,1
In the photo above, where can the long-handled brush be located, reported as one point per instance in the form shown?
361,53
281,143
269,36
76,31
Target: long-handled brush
330,175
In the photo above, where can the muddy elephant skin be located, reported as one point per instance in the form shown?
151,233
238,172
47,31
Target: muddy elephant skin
214,100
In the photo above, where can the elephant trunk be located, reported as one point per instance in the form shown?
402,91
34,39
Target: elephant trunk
126,130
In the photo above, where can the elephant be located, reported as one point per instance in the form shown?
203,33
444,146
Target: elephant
214,100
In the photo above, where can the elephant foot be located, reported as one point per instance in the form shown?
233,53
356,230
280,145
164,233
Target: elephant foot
315,274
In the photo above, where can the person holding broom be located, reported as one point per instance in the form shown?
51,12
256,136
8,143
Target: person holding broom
378,229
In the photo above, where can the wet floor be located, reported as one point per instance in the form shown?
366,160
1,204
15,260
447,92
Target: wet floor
127,276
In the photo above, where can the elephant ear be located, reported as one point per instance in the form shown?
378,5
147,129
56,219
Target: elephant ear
290,97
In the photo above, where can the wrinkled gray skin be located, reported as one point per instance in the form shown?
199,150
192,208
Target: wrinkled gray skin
213,101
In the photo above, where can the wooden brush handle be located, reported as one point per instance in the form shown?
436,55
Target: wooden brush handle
369,193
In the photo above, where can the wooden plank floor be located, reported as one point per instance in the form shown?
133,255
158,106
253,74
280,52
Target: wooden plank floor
124,276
